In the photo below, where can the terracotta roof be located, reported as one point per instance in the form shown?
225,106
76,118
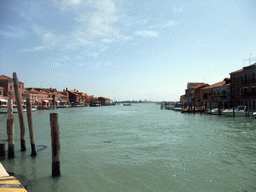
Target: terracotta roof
245,68
32,90
73,92
7,78
219,84
194,84
237,71
198,86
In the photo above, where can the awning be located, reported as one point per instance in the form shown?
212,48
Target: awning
46,101
3,100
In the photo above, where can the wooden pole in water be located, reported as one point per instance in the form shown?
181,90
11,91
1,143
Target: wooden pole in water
21,118
55,144
2,149
233,110
201,109
194,108
30,125
10,134
210,108
219,111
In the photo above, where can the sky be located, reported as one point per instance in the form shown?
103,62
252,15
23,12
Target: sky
125,49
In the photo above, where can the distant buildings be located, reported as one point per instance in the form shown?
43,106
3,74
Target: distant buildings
239,89
47,96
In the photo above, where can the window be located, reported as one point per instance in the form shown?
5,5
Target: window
242,91
242,78
245,90
253,104
233,79
245,77
233,91
253,77
254,90
0,92
205,95
223,92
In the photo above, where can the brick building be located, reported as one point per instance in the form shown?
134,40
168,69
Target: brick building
193,93
243,87
104,101
217,93
7,86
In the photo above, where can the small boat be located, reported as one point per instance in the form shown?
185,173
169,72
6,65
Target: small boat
169,107
254,114
95,105
215,111
3,105
240,111
177,109
127,104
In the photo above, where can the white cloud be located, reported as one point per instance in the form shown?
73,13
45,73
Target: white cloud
163,25
167,24
39,48
45,35
11,31
107,40
94,54
147,33
98,22
177,9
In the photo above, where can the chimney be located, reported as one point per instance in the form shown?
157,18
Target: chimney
74,89
66,89
63,90
77,91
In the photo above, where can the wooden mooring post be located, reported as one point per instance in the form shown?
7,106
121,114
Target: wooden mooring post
55,144
30,125
2,149
219,110
21,118
210,108
10,134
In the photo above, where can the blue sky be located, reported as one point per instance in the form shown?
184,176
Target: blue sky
125,49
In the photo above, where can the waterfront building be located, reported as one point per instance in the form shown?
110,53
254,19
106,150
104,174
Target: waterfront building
104,100
183,99
217,93
1,92
243,87
193,93
7,85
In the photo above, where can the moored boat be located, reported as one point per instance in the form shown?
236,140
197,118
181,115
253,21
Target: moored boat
127,104
240,111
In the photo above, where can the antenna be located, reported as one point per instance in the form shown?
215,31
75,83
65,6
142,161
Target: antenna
249,59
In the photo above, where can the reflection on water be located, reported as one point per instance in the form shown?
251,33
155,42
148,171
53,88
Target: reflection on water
138,148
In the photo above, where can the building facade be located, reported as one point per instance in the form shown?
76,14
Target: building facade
243,87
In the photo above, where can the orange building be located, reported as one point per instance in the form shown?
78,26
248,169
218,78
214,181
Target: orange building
7,87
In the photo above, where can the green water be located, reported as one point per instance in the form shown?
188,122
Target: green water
138,148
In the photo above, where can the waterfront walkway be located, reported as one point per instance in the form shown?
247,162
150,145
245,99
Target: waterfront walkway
9,183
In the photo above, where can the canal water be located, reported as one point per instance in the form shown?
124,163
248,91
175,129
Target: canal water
137,148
